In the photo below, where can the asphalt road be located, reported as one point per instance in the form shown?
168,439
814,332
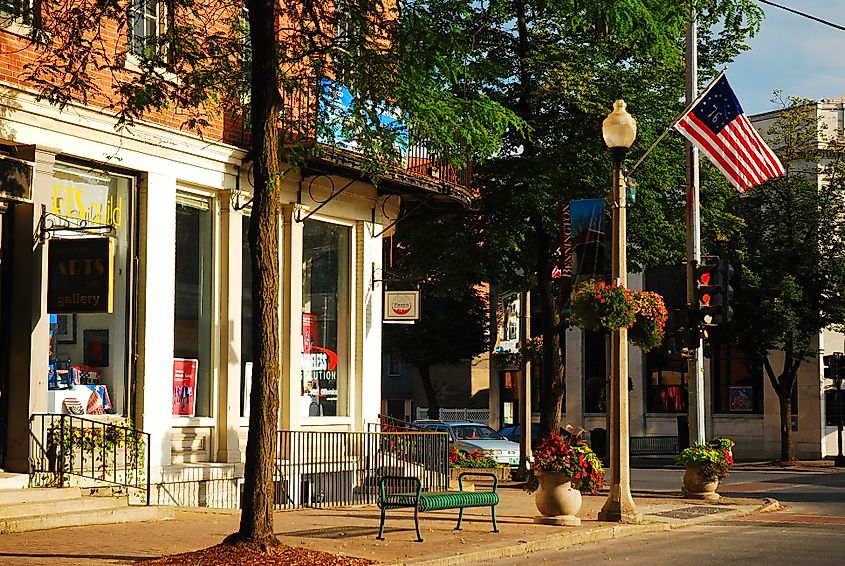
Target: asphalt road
809,530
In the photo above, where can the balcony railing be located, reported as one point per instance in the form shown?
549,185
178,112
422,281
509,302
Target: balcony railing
67,448
299,122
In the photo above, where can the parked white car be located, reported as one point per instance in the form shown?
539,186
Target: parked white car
468,437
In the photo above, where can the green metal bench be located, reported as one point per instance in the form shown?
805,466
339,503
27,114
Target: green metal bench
434,500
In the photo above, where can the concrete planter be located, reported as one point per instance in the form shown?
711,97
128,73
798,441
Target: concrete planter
698,487
556,499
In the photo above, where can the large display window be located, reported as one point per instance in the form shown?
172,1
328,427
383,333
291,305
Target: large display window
193,322
325,319
90,337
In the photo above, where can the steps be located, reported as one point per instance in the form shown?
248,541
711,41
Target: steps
33,509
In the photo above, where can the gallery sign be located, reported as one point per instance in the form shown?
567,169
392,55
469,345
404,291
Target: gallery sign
80,276
401,306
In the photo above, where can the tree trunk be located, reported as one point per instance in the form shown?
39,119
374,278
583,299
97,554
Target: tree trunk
552,374
430,393
256,526
784,386
787,449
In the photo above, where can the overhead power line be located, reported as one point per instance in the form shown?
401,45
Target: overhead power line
808,16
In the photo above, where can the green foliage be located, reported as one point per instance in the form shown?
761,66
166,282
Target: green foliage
474,459
572,457
599,306
714,457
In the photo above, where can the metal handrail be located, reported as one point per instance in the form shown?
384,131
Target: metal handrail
62,446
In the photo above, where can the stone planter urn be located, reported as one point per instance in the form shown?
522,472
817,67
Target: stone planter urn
698,487
556,499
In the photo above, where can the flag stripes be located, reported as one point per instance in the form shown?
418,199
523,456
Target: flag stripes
719,128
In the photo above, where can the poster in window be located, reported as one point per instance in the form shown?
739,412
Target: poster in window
184,386
741,398
95,348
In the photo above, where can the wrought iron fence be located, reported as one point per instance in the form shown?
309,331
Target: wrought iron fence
472,415
63,447
327,469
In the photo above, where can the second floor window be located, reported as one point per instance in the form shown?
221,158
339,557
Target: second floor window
26,12
146,20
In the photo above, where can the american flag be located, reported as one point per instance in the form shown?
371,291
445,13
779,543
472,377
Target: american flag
719,128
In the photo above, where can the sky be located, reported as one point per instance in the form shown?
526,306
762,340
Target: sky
797,55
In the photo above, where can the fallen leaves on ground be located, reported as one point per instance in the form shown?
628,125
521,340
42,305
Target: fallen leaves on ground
242,555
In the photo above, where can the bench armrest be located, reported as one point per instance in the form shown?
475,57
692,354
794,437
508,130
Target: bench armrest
382,484
484,474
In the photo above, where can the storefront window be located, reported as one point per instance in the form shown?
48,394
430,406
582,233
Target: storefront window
737,380
90,334
595,372
666,382
325,319
192,391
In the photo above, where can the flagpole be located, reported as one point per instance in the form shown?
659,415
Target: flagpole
695,374
689,107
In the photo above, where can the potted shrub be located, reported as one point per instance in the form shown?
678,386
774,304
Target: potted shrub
562,470
597,305
705,465
648,329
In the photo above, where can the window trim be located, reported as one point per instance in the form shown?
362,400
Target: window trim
197,197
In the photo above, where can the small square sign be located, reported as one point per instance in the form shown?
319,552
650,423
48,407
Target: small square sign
401,306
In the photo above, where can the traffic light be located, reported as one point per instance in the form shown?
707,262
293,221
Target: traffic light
713,292
833,365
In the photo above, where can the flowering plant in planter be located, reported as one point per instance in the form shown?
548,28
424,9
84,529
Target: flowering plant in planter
649,325
474,459
597,305
572,457
532,350
715,458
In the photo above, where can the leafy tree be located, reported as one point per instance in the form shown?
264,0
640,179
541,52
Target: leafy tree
215,64
439,253
559,66
791,254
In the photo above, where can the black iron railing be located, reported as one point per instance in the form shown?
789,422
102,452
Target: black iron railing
326,469
63,447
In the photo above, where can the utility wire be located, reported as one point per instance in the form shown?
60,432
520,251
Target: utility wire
808,16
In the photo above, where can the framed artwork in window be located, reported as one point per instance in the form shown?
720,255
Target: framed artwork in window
65,330
741,399
95,348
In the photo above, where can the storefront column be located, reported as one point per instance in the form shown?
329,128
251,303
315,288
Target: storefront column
290,262
156,296
29,324
368,306
229,407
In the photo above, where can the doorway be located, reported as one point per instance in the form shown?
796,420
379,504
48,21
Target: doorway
5,264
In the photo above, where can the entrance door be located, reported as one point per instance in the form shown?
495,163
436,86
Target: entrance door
5,241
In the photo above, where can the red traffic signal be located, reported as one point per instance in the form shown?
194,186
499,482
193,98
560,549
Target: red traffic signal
713,291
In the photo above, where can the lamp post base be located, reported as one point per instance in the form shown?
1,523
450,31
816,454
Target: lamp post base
619,507
839,461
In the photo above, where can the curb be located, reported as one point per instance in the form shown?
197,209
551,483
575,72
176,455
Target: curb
573,537
555,542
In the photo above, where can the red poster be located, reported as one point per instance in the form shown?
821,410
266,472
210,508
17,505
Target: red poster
184,386
309,332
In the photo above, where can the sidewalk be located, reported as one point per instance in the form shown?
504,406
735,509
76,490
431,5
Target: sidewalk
352,531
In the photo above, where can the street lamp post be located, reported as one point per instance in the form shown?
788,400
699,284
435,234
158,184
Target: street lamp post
619,130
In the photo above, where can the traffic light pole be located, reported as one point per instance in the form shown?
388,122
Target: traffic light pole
839,461
695,368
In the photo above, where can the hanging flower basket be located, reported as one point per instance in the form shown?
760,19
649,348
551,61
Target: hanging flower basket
599,306
649,325
532,350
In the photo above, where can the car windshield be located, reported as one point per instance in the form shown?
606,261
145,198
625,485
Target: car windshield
476,431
